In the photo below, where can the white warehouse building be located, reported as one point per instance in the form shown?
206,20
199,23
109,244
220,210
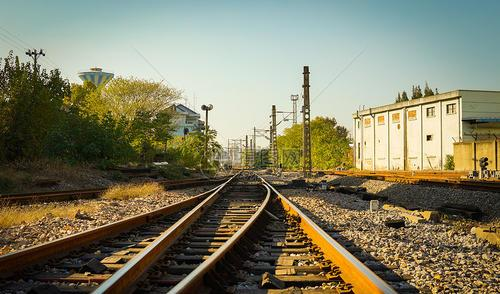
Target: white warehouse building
419,134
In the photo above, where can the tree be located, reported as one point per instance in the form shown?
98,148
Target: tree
330,144
416,92
428,91
190,148
140,107
398,99
127,97
30,105
404,96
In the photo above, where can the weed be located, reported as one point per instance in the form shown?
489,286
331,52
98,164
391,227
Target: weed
124,192
14,215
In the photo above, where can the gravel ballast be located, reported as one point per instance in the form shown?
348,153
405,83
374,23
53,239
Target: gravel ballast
50,228
433,257
425,197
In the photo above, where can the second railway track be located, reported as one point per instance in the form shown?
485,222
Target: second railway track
244,237
33,197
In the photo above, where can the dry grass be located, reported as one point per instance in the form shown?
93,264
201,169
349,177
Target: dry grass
15,215
124,192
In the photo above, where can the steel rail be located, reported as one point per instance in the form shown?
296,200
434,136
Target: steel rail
353,271
423,178
123,280
93,193
194,280
14,262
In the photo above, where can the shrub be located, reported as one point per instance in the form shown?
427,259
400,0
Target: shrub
449,163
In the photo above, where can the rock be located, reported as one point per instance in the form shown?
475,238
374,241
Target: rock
82,215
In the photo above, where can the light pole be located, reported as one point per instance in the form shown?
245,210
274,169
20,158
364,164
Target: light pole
207,108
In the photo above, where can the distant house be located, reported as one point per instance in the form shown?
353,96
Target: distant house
185,120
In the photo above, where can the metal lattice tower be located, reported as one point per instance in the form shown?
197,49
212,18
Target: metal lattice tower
306,122
274,146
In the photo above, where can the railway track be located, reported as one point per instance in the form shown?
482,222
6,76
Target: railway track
423,178
24,198
241,237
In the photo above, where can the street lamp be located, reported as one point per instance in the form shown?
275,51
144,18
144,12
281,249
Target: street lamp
206,108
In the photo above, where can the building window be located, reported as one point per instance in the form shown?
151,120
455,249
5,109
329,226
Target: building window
358,124
367,122
381,120
395,118
429,137
431,111
451,108
359,151
412,115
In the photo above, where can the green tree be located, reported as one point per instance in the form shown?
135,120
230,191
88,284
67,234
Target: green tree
404,96
428,91
416,92
190,149
30,105
127,97
330,144
398,99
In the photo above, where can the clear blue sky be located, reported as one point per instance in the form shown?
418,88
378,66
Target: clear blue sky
245,56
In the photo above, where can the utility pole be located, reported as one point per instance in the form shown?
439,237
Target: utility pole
35,54
254,155
229,157
274,146
206,108
294,99
306,122
246,151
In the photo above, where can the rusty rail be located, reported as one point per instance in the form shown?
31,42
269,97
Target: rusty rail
123,280
446,179
352,270
22,198
193,281
16,261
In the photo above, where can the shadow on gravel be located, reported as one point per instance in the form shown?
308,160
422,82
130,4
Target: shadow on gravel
387,274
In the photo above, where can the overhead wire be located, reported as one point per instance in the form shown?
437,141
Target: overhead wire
339,74
152,66
23,46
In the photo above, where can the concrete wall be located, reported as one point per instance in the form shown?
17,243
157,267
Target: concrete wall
396,138
464,154
381,141
480,104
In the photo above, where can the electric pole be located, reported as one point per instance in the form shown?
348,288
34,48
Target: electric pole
254,155
274,145
35,54
206,108
306,122
246,151
294,99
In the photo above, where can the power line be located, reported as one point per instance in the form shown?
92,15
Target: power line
17,42
152,66
339,74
